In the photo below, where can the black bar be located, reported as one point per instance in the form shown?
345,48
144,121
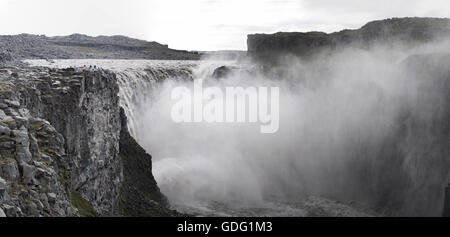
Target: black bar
260,226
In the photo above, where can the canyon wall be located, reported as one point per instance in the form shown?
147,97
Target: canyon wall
65,149
404,32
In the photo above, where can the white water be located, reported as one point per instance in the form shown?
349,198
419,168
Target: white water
335,120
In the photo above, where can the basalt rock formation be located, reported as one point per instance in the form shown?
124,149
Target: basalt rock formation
140,195
64,150
270,47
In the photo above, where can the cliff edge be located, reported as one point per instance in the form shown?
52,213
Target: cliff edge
64,149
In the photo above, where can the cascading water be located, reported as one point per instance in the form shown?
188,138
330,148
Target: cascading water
215,169
355,127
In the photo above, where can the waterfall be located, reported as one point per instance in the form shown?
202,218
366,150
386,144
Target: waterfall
359,130
350,136
138,87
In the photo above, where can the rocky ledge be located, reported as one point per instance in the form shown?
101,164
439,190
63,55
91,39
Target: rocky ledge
65,149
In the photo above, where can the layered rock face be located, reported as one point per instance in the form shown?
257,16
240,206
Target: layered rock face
34,166
270,47
83,106
60,145
140,195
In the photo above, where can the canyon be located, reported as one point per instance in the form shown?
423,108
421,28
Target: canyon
364,127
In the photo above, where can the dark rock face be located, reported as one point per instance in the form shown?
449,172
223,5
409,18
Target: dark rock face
26,46
225,71
68,163
83,106
446,212
221,72
425,132
261,46
267,47
140,195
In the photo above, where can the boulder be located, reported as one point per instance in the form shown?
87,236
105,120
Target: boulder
4,130
11,211
51,197
28,173
23,153
5,145
3,184
11,112
10,170
12,103
2,113
34,147
221,72
3,188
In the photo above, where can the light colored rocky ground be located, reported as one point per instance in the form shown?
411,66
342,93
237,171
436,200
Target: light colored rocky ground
34,169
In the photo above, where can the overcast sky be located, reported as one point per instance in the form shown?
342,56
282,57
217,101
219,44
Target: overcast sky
201,24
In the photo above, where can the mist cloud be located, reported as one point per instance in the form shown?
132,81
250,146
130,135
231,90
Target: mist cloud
342,117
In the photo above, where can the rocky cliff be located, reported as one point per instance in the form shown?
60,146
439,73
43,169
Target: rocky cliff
268,47
64,149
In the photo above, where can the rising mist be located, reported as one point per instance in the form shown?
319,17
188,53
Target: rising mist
350,124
